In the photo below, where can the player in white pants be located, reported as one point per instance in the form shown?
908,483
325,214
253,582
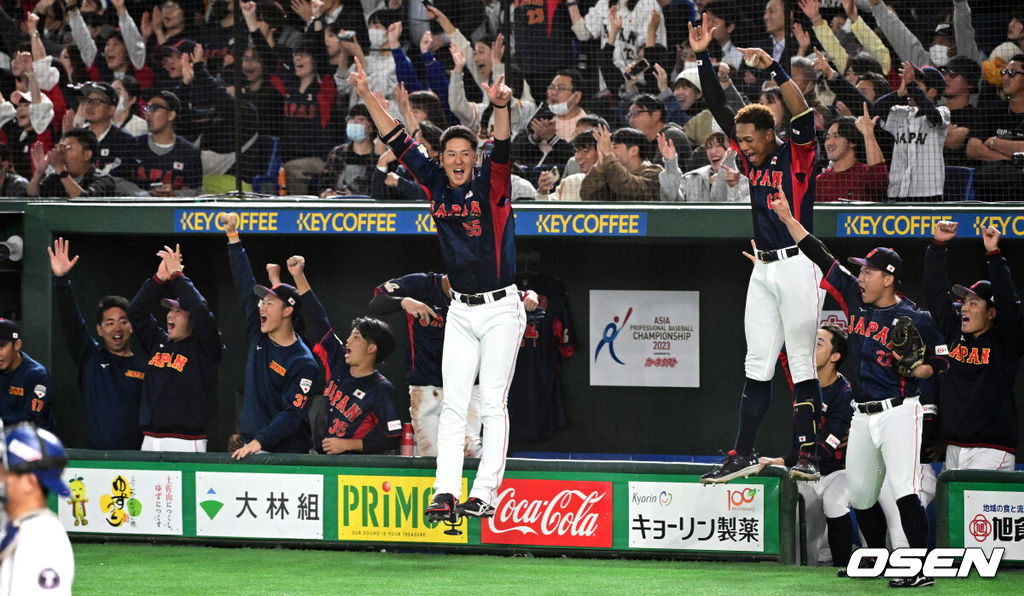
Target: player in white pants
926,483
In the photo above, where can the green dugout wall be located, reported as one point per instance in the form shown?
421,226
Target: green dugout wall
350,247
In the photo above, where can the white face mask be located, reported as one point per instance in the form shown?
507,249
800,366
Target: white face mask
559,109
939,55
122,105
377,37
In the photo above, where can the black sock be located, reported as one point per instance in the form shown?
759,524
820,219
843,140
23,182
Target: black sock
914,521
753,405
872,525
840,539
807,404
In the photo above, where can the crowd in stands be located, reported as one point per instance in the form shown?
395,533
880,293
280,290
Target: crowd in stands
138,97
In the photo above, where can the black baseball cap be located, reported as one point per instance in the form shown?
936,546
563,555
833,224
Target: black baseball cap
182,46
173,103
981,289
9,331
884,259
105,89
288,294
965,67
932,78
945,30
170,303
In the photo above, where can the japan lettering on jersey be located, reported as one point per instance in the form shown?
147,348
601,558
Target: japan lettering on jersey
426,340
357,406
792,164
181,167
474,222
869,331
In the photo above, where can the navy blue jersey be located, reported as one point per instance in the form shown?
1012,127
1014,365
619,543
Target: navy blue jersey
792,164
535,405
116,153
870,347
25,395
357,408
111,385
181,376
426,341
976,398
278,379
474,222
834,428
181,167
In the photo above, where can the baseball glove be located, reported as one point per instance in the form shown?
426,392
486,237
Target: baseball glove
907,342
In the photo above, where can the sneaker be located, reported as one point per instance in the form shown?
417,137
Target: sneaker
806,468
918,581
474,507
442,508
735,466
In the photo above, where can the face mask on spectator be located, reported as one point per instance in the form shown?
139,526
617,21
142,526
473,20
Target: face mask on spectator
559,109
939,55
122,105
377,37
356,132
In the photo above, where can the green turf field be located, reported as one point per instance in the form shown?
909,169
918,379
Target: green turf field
127,569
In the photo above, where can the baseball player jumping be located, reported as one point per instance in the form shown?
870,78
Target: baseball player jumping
486,320
783,297
894,344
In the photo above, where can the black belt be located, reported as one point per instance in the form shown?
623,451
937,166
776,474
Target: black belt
478,299
770,256
877,407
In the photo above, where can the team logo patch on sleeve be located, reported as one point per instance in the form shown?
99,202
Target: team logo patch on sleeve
832,441
941,350
359,393
40,391
394,425
423,151
305,385
390,286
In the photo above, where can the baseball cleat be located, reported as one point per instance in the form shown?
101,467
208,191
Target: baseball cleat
806,468
441,509
474,507
735,466
918,581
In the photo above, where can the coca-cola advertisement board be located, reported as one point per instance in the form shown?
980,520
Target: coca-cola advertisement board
551,513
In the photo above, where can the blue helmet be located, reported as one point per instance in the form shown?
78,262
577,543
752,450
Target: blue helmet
29,449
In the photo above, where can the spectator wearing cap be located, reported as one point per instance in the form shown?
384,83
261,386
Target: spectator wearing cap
917,171
25,388
181,374
309,117
684,101
110,374
27,117
349,168
168,165
115,154
169,57
977,406
622,173
124,51
73,173
280,370
962,76
848,178
207,116
165,25
996,143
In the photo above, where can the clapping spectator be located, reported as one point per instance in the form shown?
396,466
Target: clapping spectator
719,182
622,172
72,162
27,117
124,51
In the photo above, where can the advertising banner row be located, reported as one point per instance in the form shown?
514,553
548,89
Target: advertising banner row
386,505
987,516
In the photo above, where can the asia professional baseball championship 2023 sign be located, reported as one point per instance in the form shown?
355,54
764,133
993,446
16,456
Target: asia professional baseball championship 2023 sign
644,339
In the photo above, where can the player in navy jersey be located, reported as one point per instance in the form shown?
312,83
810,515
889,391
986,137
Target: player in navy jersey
181,373
110,375
279,369
887,422
25,392
976,401
783,298
473,215
361,416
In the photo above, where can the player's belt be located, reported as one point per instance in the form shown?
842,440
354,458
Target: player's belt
478,299
877,407
770,256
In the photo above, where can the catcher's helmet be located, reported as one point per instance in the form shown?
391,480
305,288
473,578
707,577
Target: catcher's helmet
32,450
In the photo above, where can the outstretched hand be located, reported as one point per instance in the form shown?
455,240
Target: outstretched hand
60,263
780,204
700,36
753,251
666,146
358,80
499,93
944,231
756,58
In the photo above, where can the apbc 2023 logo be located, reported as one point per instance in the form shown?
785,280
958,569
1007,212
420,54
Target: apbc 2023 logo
551,513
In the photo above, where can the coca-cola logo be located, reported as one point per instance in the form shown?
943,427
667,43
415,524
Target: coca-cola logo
543,513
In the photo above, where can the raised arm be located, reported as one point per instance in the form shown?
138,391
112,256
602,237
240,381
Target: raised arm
866,125
500,95
384,122
714,97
